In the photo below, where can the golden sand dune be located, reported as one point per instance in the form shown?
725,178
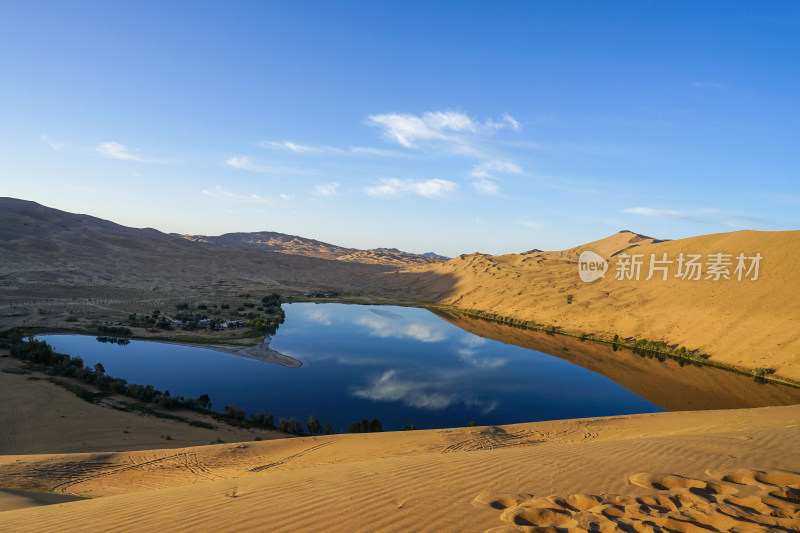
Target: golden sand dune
752,323
755,501
678,471
39,417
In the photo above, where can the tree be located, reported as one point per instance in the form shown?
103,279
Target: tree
364,426
313,425
328,429
234,412
98,368
375,426
204,401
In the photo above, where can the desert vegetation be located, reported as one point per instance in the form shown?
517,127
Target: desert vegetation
40,356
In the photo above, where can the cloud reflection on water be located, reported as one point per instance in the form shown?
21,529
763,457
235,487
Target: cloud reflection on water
379,326
392,386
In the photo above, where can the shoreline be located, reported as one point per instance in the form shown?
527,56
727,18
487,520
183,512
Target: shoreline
268,355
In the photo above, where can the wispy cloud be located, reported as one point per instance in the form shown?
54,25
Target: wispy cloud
305,149
485,187
300,148
733,219
408,129
116,150
651,212
219,192
243,162
366,150
432,188
327,189
495,166
486,171
530,224
53,144
707,85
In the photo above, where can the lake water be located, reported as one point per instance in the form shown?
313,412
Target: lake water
402,365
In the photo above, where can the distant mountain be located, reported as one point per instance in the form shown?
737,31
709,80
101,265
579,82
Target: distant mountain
433,255
41,246
294,245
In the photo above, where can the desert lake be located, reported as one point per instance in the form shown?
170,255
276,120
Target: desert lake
408,365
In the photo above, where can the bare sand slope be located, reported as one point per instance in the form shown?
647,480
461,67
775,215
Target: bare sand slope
39,417
689,471
748,323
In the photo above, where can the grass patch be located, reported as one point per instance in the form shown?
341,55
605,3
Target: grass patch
139,408
82,393
16,370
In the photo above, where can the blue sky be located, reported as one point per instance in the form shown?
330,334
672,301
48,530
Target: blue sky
429,126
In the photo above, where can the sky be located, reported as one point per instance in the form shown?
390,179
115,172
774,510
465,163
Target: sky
451,127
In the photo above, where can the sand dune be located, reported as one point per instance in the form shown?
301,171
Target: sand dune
747,323
40,417
721,468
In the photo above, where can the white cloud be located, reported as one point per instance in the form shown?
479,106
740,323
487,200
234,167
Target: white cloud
530,224
243,162
513,124
485,169
732,219
366,150
650,212
53,144
507,122
707,84
433,188
327,189
327,150
300,148
219,192
285,196
407,129
116,150
486,187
